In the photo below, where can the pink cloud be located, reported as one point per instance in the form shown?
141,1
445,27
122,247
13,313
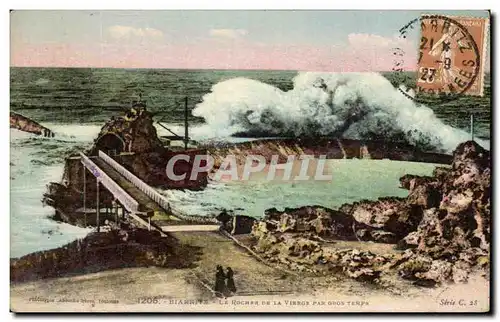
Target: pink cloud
53,55
147,48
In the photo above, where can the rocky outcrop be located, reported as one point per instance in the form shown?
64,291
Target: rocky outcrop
393,215
461,220
301,252
324,223
443,226
317,146
25,124
297,239
101,251
453,236
320,221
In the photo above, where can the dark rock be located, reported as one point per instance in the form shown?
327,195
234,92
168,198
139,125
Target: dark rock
23,123
236,224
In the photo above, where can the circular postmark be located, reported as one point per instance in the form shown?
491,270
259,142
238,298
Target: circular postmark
448,60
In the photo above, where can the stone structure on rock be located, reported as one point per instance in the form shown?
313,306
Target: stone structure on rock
133,132
131,140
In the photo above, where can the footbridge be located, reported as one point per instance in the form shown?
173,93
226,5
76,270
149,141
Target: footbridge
139,200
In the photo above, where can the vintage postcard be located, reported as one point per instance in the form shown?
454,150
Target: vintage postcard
250,161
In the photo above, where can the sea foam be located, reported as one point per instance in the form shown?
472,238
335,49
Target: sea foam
349,105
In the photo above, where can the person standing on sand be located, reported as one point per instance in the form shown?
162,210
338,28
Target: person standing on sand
230,280
220,282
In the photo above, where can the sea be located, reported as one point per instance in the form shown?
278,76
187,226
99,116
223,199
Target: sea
75,102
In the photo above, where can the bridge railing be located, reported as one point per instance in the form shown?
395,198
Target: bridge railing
150,191
130,203
144,187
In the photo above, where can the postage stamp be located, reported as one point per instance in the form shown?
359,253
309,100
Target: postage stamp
452,55
250,161
451,58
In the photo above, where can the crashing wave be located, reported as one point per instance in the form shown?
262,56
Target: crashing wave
363,106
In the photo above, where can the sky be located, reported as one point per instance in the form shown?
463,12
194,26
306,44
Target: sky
335,41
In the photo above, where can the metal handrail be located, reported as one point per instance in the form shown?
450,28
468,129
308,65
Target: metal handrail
150,191
129,202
